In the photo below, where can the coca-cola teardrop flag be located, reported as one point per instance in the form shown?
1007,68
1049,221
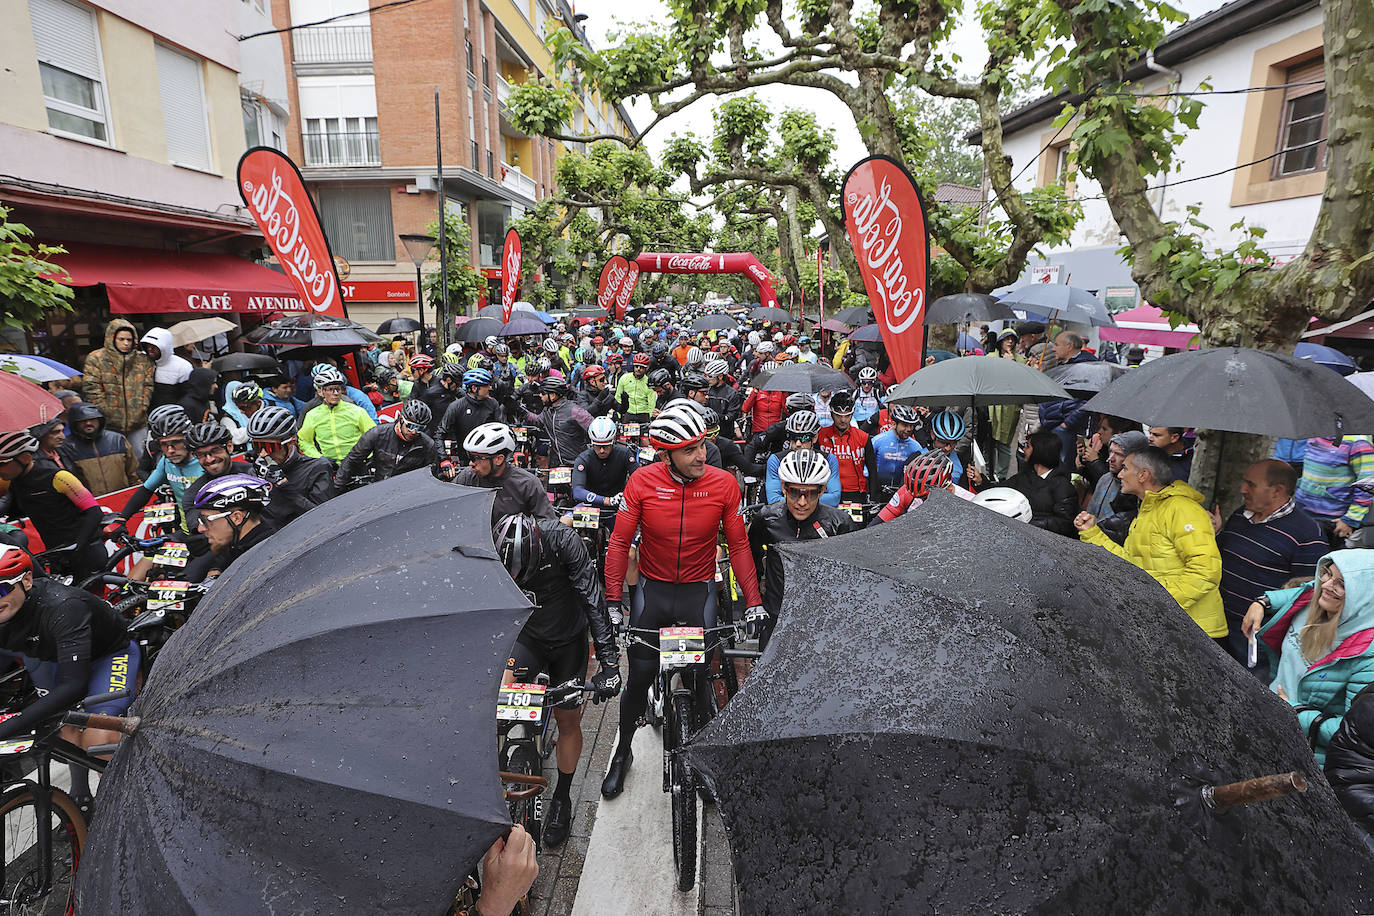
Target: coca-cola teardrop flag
627,289
510,273
886,225
613,273
275,195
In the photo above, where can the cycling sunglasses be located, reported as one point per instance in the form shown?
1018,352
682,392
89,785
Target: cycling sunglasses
9,585
802,492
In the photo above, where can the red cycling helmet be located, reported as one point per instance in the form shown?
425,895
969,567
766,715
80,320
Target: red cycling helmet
641,359
592,372
928,471
13,564
422,361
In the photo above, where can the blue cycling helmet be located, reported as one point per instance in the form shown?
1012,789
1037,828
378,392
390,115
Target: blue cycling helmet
947,425
476,377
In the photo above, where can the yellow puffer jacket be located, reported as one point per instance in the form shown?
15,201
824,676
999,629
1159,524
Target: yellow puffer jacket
1172,540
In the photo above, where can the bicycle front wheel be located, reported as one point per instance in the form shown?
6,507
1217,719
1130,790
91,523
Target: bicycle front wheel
526,812
22,881
684,795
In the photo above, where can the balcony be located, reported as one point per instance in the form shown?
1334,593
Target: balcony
361,148
332,44
503,91
518,181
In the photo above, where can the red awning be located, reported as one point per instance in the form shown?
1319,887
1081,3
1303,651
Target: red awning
142,280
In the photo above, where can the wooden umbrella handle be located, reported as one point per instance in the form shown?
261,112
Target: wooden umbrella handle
1249,791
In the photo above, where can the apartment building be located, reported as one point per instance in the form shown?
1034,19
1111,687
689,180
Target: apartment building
363,84
121,124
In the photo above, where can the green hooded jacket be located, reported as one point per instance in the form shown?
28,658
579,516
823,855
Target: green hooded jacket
120,384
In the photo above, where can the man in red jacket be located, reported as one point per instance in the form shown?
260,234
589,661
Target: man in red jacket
678,504
851,446
764,408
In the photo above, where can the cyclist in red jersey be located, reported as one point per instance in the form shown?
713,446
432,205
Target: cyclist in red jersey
678,504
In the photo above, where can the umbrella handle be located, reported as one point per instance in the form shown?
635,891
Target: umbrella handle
125,725
1249,791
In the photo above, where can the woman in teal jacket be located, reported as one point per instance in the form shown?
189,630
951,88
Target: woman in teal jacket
1319,638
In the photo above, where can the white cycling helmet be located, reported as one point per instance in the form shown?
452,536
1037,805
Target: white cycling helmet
765,346
602,431
329,376
868,374
716,367
694,355
804,466
677,427
490,439
454,348
1005,501
550,345
491,341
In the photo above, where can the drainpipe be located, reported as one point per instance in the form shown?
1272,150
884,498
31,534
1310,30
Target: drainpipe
1176,79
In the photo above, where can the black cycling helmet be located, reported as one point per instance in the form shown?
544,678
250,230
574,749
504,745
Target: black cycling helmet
660,350
174,422
416,413
272,424
555,384
800,401
842,402
694,381
903,413
452,370
384,375
520,544
659,378
204,434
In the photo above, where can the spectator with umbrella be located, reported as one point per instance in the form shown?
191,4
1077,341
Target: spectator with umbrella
1319,637
1171,539
1265,543
119,381
1171,441
1067,419
1002,418
1330,467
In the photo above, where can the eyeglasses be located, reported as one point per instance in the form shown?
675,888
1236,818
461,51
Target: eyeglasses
203,453
10,585
171,443
806,493
1330,580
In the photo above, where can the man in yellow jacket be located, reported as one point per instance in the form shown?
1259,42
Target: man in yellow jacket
330,429
1171,538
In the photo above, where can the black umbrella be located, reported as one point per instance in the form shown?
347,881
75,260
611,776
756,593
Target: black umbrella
521,325
401,325
975,381
855,314
476,330
1086,378
1032,741
320,737
1239,390
312,331
963,307
639,312
770,313
869,332
714,323
1057,302
244,362
804,377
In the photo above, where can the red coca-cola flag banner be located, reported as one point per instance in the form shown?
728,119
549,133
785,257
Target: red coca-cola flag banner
886,225
627,289
613,273
274,193
510,273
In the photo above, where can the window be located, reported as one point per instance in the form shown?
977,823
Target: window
342,142
486,72
1302,132
183,109
357,221
469,52
68,50
251,135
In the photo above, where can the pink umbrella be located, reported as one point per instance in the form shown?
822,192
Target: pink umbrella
22,403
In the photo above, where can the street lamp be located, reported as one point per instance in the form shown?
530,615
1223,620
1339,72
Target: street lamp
418,248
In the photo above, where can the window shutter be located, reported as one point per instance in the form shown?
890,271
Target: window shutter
64,36
1314,69
183,109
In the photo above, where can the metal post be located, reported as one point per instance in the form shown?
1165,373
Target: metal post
420,304
443,320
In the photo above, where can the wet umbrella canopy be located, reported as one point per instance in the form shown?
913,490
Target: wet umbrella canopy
312,331
320,736
962,307
476,330
975,381
803,377
975,743
1087,378
243,362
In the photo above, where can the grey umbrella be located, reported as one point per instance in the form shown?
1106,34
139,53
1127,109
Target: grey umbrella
1006,743
714,323
976,381
870,333
476,330
401,325
320,736
521,326
855,314
312,331
770,313
243,362
804,377
1086,378
1234,389
962,307
1055,301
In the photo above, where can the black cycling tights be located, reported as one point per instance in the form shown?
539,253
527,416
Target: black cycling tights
659,604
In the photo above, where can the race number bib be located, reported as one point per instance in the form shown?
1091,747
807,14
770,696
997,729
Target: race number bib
560,476
854,510
173,555
160,514
167,595
647,453
521,702
521,434
630,431
678,646
586,517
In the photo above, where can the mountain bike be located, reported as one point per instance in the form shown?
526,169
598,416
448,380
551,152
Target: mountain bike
686,704
42,830
526,737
